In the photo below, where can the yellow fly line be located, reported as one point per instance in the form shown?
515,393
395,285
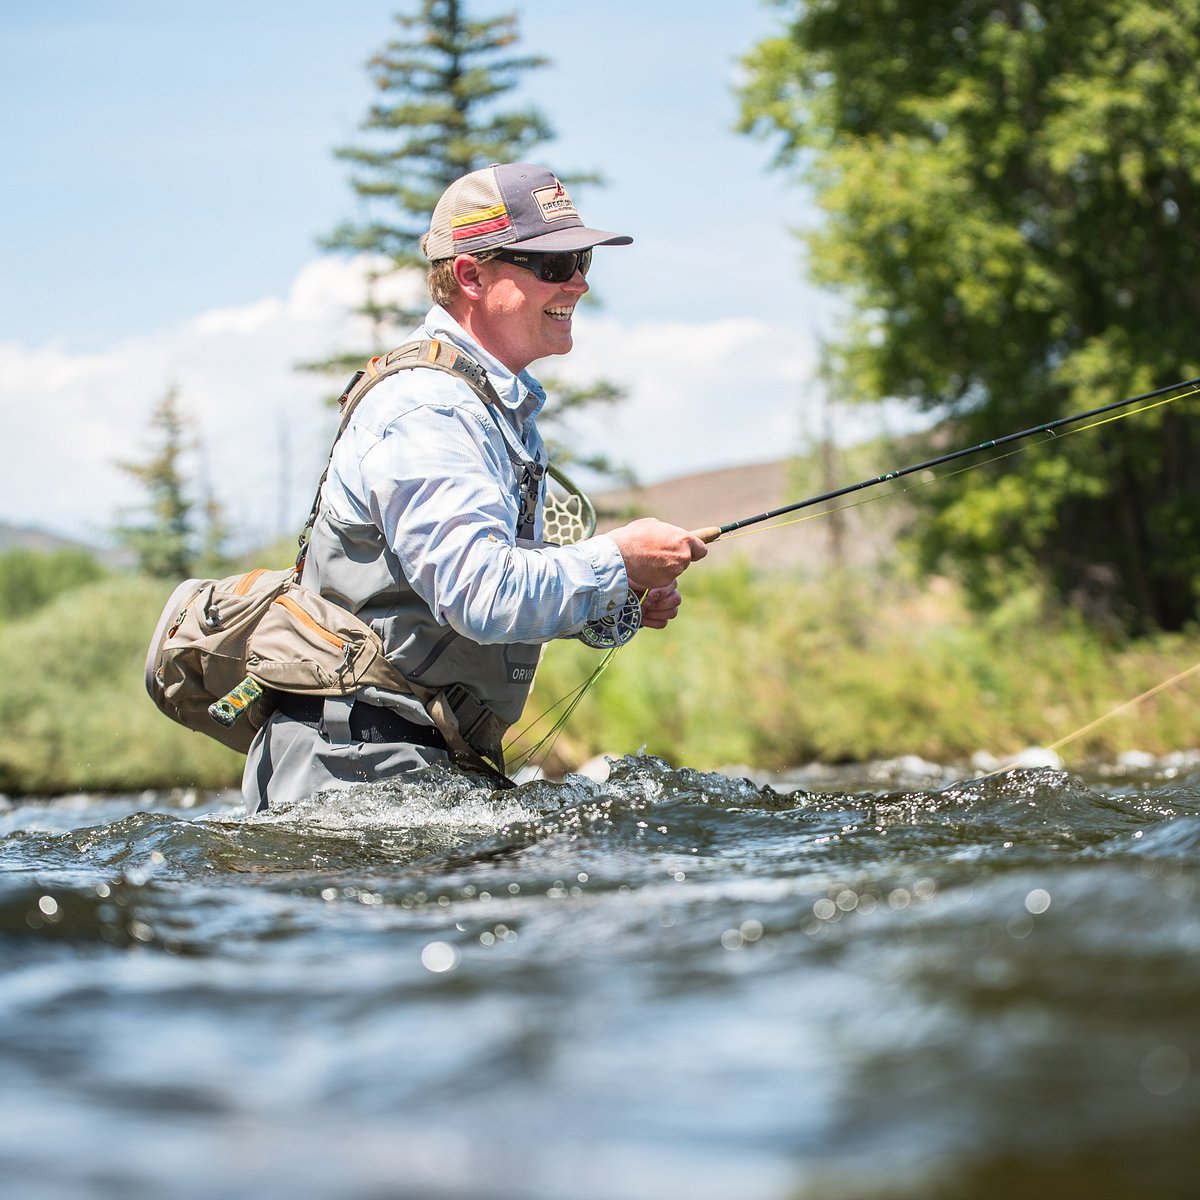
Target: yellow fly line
1054,747
571,701
930,477
1102,416
1158,687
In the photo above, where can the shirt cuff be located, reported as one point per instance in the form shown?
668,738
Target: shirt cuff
612,583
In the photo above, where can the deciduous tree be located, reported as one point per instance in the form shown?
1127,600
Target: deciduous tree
1009,193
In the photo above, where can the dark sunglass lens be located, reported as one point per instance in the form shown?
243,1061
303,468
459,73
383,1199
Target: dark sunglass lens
558,268
552,267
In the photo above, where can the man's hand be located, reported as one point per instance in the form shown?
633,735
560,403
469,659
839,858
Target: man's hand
656,553
659,606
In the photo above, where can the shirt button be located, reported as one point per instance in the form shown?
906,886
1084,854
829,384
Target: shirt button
611,605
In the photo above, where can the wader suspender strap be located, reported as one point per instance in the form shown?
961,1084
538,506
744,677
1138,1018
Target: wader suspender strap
441,356
470,728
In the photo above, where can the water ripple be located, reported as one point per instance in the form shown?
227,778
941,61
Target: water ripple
893,984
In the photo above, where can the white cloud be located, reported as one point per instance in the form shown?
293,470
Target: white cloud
248,319
68,418
701,395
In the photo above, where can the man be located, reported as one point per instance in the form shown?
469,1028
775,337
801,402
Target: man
422,531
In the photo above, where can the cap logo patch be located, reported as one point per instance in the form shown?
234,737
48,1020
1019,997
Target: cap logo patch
554,203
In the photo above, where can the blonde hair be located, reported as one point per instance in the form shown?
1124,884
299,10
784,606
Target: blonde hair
443,286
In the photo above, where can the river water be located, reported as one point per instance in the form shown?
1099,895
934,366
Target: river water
876,985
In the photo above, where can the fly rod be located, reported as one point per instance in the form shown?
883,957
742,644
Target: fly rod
713,532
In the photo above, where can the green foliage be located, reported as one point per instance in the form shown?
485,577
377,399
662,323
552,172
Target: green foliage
75,713
767,671
31,578
773,672
1005,187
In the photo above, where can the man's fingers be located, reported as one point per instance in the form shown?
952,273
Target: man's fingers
659,605
655,552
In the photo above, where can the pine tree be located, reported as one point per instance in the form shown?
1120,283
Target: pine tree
440,115
170,542
437,117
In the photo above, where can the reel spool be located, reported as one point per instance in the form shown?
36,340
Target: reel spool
610,632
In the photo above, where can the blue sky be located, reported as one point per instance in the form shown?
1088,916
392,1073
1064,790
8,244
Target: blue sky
170,169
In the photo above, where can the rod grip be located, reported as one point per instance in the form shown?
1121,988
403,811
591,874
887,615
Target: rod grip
708,535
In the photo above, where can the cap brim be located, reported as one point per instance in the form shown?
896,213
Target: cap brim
577,238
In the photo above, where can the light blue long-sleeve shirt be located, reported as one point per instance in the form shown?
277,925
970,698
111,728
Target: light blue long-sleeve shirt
424,461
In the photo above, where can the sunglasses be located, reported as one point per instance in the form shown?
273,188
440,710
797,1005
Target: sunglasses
553,267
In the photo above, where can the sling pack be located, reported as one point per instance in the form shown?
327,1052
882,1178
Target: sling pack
222,647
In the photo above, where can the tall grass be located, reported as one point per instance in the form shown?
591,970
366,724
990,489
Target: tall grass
767,670
774,672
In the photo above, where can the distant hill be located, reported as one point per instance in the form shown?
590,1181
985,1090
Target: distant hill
732,493
26,537
696,501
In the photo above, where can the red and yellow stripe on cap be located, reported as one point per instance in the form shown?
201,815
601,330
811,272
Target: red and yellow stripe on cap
479,223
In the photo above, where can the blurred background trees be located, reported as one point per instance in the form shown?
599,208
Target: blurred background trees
31,577
175,533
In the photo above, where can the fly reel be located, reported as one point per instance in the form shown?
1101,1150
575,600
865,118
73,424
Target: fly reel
608,633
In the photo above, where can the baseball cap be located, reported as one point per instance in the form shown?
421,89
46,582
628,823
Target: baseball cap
515,205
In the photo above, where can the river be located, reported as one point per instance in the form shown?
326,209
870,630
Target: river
874,984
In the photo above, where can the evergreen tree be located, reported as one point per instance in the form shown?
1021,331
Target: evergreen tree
1008,188
170,541
441,113
438,116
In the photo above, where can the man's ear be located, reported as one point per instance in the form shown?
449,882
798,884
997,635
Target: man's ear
467,274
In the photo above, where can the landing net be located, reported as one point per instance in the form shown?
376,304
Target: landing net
567,514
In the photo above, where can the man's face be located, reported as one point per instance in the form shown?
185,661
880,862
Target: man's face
521,318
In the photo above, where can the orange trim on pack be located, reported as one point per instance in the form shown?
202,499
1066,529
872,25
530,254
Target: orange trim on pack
305,619
247,581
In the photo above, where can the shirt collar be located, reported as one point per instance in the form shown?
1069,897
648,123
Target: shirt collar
521,394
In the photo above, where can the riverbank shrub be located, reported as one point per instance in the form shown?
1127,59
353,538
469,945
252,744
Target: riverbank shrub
772,672
760,670
74,709
30,578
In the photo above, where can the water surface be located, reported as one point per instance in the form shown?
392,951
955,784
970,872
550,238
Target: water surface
670,984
